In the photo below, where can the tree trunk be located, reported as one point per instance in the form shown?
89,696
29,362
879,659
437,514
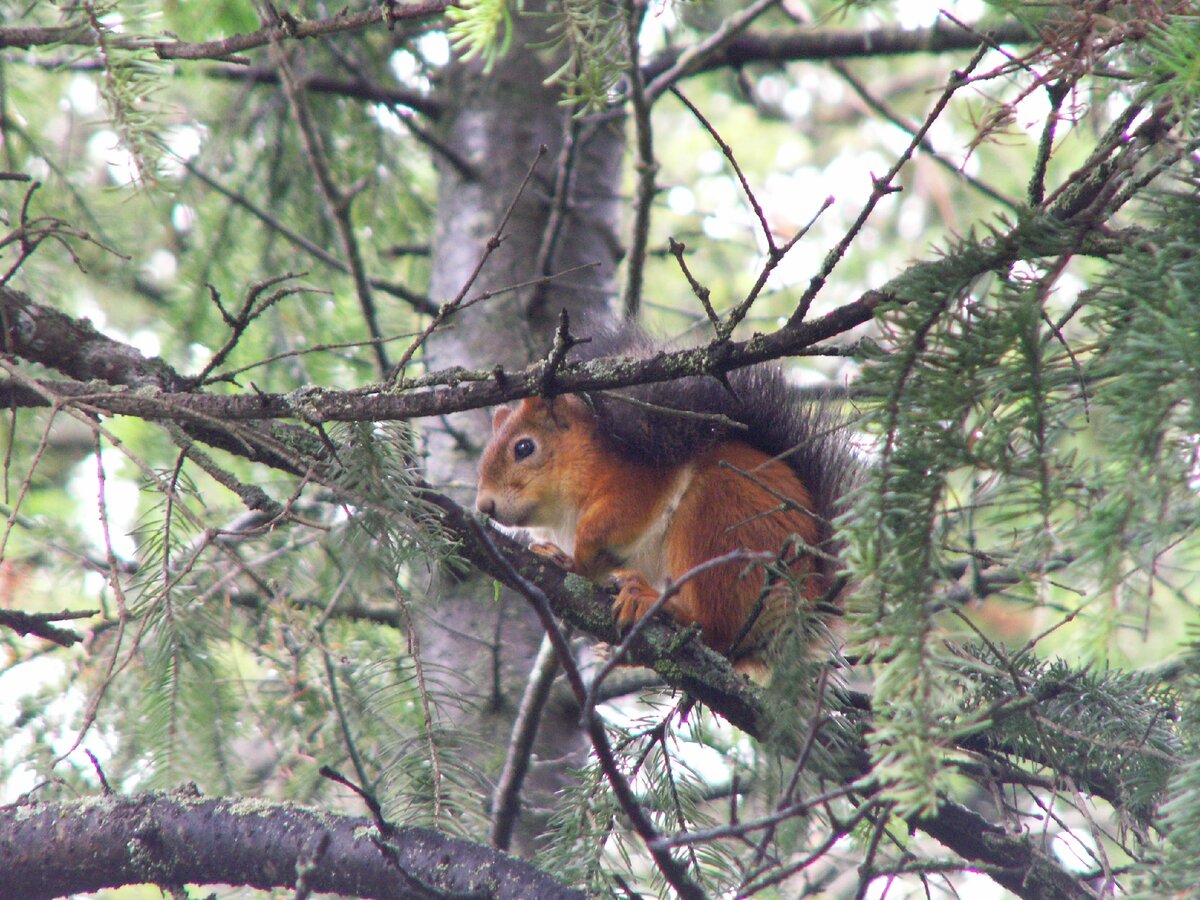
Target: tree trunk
495,127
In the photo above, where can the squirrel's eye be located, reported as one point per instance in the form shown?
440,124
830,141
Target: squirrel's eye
524,448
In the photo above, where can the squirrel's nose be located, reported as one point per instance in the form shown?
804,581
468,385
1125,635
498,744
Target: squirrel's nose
486,505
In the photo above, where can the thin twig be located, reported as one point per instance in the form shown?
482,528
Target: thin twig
335,698
880,188
244,318
337,202
645,166
419,302
677,248
672,869
727,151
695,57
427,718
879,106
561,204
770,820
1037,181
621,651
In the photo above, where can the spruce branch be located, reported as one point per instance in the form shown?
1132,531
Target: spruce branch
41,624
283,29
53,849
338,201
684,663
417,301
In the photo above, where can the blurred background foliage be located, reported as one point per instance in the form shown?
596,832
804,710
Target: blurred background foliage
1042,422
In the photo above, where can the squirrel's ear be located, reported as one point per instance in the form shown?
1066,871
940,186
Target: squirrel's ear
574,404
499,416
566,409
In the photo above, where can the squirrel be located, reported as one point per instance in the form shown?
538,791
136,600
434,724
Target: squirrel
646,484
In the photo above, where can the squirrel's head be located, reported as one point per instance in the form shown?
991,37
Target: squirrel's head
528,474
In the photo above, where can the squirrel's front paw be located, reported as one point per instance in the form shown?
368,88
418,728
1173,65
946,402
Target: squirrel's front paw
554,553
634,598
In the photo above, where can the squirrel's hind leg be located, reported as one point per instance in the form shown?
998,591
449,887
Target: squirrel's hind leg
636,597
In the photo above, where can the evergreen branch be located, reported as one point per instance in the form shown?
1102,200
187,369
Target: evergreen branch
255,498
54,849
671,868
683,662
79,351
39,624
287,28
817,44
338,203
419,302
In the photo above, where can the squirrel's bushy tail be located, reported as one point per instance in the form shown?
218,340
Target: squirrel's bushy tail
667,423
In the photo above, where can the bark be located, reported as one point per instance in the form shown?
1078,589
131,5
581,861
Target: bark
55,849
495,125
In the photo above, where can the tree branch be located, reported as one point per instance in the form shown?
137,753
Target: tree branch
53,849
684,662
360,88
814,44
40,334
83,35
39,624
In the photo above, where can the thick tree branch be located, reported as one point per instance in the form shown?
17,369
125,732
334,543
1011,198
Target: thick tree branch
41,334
54,849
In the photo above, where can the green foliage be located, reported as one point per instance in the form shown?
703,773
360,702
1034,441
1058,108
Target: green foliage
1173,865
591,34
133,76
481,28
588,36
588,841
1014,434
1116,731
1172,54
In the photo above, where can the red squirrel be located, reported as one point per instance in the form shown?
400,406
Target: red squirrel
646,494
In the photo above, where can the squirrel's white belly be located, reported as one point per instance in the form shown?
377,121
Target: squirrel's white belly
647,554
